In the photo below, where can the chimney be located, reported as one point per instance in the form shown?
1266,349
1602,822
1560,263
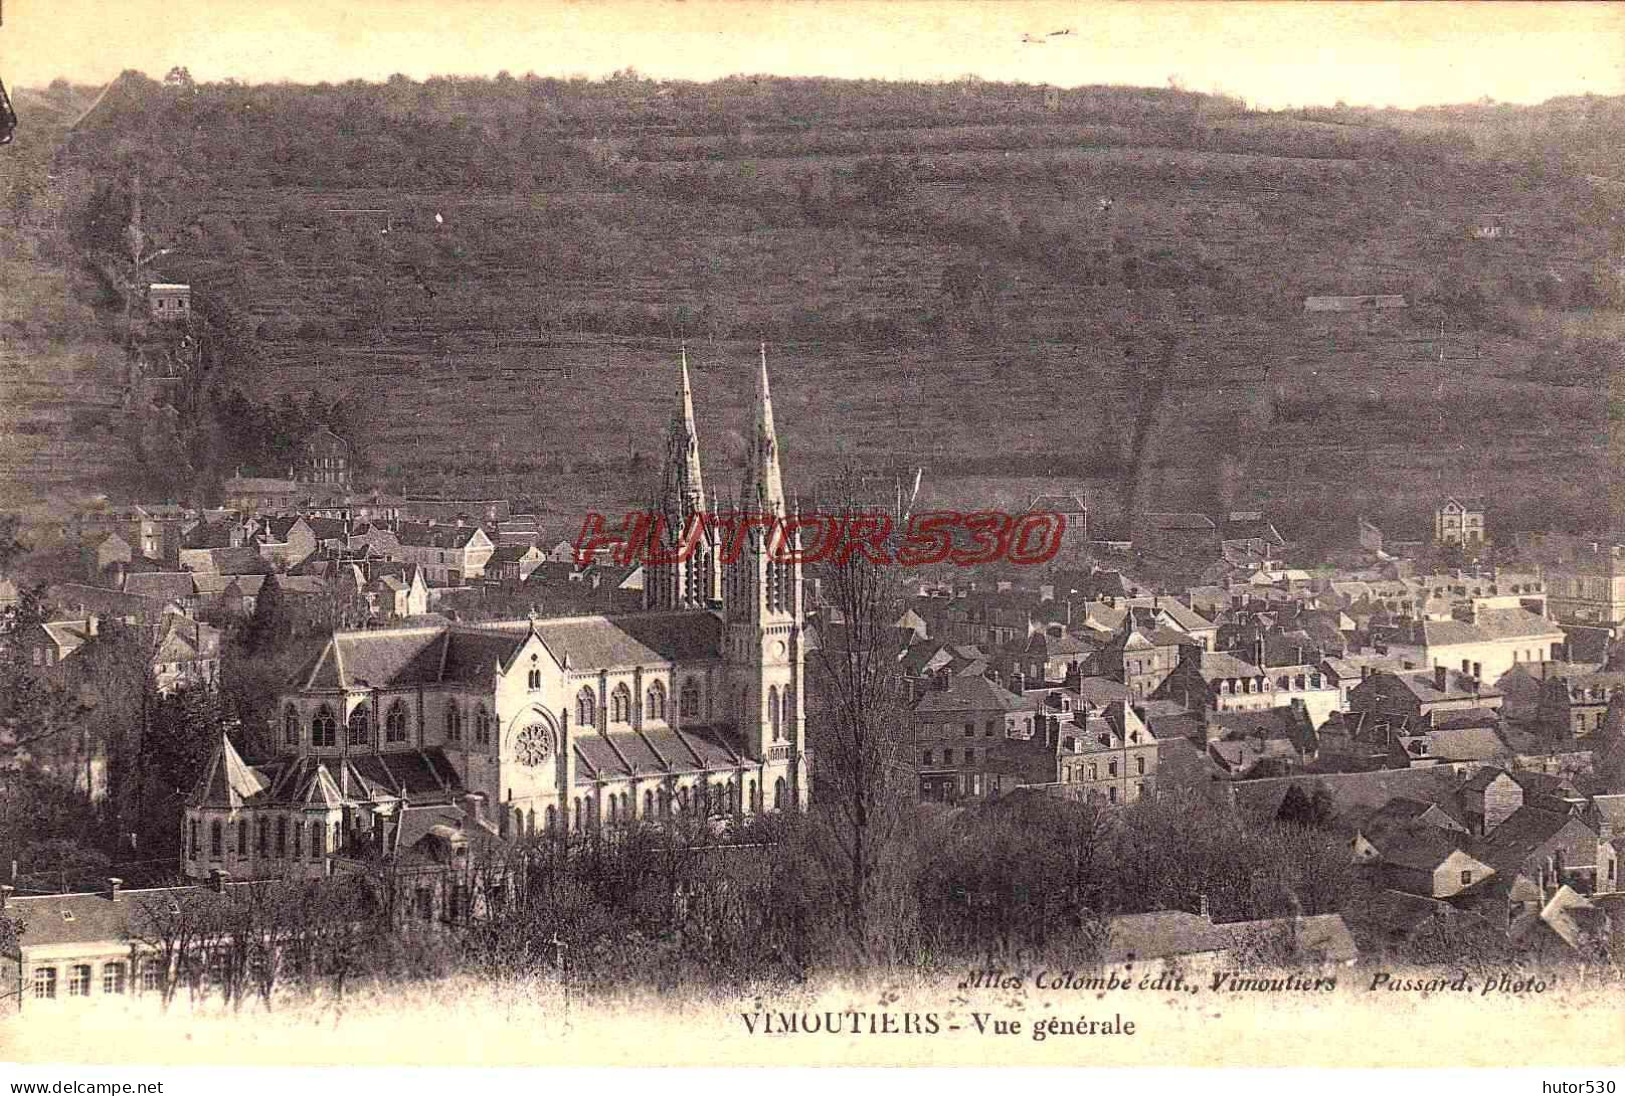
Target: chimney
113,885
1440,681
91,625
217,880
474,804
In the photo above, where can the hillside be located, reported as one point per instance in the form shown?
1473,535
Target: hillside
1108,293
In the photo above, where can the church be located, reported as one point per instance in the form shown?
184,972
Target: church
390,741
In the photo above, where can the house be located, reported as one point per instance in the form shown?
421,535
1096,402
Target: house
1108,754
954,725
1284,737
169,302
1395,818
285,542
1492,795
1550,847
1074,514
1459,521
449,555
173,587
1218,681
1049,655
446,509
1522,685
1587,586
260,495
513,563
151,531
1143,658
1420,698
186,653
1576,705
324,457
106,557
1176,534
1428,861
394,596
1483,643
1249,531
50,644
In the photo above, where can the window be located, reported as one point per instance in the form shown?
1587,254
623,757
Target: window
682,800
45,983
947,757
282,837
290,725
1466,878
152,973
298,840
778,793
263,842
656,706
242,837
1139,766
482,726
992,726
324,728
318,840
1111,795
79,980
586,708
552,818
454,722
970,730
359,726
620,704
773,713
1111,768
533,680
395,723
216,841
690,703
648,803
192,846
425,903
1094,772
928,758
113,978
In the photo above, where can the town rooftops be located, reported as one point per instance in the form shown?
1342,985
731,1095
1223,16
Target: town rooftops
1172,520
164,585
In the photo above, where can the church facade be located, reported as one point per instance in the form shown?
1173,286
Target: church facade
390,738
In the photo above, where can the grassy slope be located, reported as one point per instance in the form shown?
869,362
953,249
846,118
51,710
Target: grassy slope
61,381
647,229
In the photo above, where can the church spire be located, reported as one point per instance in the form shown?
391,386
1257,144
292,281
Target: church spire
683,444
696,581
764,486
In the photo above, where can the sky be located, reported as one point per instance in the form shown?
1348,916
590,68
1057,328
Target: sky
1273,54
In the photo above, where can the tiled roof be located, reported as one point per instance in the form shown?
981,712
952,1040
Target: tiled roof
1220,665
1523,832
167,585
972,693
1421,847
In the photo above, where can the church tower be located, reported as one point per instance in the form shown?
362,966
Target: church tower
763,614
695,582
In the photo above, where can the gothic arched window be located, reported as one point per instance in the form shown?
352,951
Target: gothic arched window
534,679
586,707
395,723
454,722
290,725
773,712
324,729
648,804
656,708
691,699
614,808
778,794
620,704
682,800
755,798
360,726
482,726
552,819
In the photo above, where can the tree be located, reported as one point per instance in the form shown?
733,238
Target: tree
12,547
861,720
272,620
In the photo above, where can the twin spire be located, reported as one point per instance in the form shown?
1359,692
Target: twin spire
683,489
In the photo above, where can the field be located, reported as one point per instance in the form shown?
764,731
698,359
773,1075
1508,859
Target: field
1108,296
